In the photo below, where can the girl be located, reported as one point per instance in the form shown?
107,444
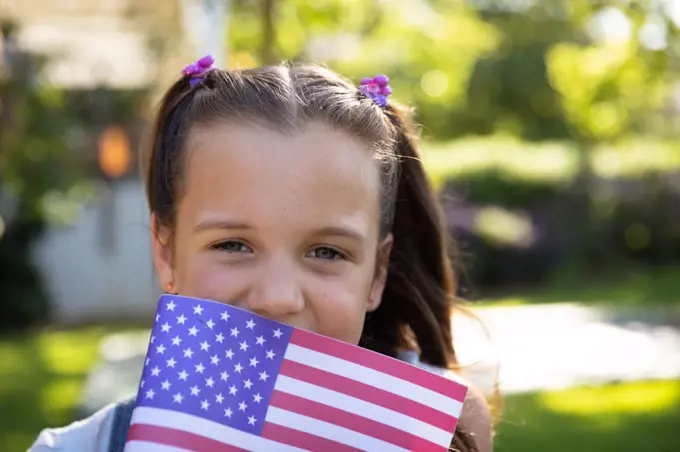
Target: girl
290,192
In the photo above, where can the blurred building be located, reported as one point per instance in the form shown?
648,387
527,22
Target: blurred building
99,266
93,42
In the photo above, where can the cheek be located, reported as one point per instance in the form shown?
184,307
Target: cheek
199,274
339,306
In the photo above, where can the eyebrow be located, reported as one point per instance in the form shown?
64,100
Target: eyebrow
208,225
340,232
325,231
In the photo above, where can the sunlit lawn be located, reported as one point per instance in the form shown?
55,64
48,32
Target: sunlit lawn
40,381
619,418
629,287
41,376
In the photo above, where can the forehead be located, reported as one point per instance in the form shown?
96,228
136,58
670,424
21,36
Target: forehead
319,174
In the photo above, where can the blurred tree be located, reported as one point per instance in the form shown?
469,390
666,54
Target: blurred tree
268,31
609,85
37,160
509,90
162,24
428,48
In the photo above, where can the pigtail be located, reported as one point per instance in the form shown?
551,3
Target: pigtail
420,288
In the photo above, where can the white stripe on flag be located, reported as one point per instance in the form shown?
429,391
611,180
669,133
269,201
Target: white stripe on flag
374,378
366,409
208,429
323,429
143,446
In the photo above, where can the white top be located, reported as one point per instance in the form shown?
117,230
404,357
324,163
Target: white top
93,433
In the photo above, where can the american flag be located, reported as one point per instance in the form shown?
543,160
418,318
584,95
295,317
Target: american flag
218,378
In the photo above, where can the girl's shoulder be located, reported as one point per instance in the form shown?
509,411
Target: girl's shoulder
91,434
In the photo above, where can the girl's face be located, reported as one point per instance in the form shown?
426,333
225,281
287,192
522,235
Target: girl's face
284,226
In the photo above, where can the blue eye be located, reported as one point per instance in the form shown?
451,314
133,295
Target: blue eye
326,253
231,246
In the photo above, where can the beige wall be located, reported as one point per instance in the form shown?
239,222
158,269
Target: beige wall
102,42
90,42
32,9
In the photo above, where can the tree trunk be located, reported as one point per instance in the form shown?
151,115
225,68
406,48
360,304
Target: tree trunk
268,32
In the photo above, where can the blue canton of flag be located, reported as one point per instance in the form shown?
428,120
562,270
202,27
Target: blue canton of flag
212,362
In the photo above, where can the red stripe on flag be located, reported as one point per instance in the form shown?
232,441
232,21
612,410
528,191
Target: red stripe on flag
297,438
379,362
178,438
368,393
353,422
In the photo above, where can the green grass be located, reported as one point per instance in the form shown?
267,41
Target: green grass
631,417
41,377
630,287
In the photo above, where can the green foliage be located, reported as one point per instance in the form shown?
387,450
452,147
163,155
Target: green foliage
24,302
512,210
533,72
428,49
38,141
37,159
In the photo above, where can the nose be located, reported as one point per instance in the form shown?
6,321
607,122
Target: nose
276,292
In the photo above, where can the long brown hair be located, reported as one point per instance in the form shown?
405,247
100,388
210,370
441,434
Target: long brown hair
419,294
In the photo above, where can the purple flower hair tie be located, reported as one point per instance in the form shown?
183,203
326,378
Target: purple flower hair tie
376,88
197,70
